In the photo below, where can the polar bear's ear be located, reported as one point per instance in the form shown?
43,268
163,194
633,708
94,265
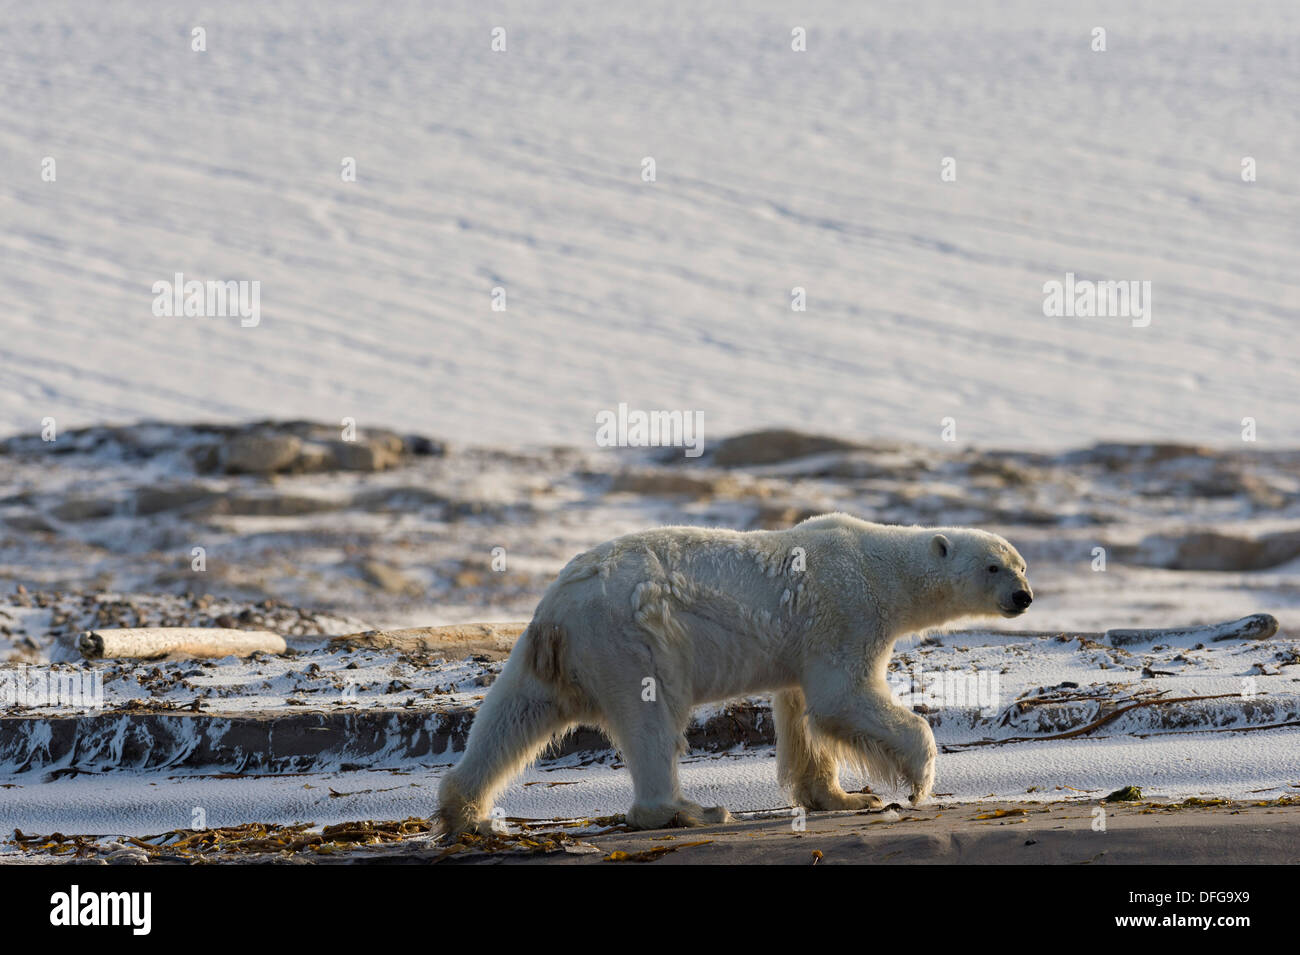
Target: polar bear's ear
939,544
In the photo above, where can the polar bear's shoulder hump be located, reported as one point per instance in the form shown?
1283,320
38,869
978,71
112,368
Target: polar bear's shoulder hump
834,521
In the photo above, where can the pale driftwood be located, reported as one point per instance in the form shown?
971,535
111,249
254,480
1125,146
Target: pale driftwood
150,643
1258,626
493,640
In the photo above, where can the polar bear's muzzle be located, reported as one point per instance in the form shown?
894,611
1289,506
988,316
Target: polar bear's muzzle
1018,602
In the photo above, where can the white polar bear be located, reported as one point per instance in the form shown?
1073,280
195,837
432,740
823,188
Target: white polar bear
637,631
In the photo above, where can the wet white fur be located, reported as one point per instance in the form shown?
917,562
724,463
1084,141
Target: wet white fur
710,614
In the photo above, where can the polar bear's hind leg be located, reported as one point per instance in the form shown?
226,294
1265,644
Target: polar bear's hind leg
650,735
519,717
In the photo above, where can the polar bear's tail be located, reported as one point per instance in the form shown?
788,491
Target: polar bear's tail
521,714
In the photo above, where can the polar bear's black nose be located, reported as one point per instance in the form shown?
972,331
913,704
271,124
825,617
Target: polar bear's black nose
1022,599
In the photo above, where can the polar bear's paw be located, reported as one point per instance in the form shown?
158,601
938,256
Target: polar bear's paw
922,783
716,815
921,776
454,830
677,815
843,800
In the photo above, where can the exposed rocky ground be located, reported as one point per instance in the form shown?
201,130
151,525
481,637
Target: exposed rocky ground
396,529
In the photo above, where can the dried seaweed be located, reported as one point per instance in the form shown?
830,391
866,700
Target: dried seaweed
250,839
650,855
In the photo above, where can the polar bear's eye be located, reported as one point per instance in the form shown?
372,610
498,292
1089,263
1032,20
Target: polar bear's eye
993,568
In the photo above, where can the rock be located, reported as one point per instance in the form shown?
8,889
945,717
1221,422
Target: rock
1119,456
1228,481
427,447
315,457
302,447
397,499
84,509
153,500
271,504
778,516
472,507
28,521
261,453
371,454
1030,516
205,458
465,578
389,579
1211,550
858,466
772,446
674,482
998,473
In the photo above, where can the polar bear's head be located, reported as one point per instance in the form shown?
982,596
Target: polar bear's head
986,572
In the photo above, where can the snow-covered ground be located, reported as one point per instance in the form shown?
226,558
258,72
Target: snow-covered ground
775,169
145,804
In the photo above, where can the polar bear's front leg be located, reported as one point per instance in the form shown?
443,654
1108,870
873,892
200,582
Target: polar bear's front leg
890,742
805,764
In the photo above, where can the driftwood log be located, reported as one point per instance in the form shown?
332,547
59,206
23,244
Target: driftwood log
1258,626
150,643
492,640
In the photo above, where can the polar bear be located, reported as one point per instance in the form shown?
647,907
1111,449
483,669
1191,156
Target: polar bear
637,631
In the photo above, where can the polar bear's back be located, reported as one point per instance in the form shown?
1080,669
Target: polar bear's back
642,578
661,554
688,563
712,610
